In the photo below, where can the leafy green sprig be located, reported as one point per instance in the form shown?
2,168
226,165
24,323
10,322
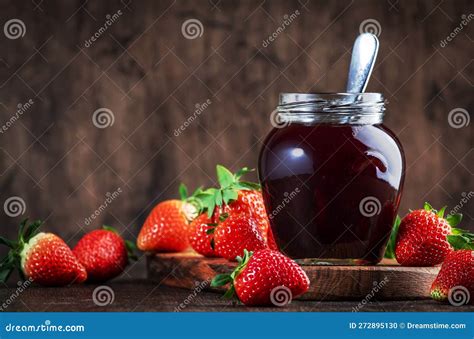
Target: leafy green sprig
230,184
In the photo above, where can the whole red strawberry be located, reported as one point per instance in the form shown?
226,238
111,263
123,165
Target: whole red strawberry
103,253
167,227
250,202
43,257
237,232
237,216
424,237
455,280
265,277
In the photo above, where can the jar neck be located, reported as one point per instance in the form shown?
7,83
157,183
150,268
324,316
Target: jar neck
331,108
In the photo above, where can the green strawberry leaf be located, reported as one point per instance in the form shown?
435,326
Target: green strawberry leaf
5,273
6,242
8,264
218,198
241,172
109,228
210,208
12,260
230,293
221,280
207,201
242,263
131,248
428,207
460,242
197,191
223,217
227,192
229,195
245,185
441,212
183,191
224,279
21,229
454,219
224,176
390,250
31,230
464,233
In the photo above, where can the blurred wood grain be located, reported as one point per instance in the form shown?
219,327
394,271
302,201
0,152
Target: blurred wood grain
153,80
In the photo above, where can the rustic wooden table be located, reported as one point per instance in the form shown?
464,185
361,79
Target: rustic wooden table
145,296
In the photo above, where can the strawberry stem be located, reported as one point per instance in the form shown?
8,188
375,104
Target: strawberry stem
183,191
13,259
390,250
230,184
131,248
224,279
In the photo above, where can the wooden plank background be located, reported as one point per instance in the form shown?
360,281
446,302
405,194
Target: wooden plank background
151,78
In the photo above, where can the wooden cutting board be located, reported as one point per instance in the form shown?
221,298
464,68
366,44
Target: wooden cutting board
386,281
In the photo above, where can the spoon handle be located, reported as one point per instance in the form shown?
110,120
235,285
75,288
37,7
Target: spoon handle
364,53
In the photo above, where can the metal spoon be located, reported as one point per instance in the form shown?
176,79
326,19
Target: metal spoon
364,53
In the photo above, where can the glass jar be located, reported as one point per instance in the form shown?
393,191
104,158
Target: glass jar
332,175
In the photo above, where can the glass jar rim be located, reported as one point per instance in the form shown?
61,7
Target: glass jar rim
340,108
367,97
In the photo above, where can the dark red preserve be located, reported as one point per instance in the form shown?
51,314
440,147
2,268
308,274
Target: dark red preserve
332,175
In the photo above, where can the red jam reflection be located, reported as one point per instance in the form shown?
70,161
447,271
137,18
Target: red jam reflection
332,191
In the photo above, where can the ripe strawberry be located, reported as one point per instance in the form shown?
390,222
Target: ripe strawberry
233,199
251,202
425,238
43,257
166,229
260,277
457,273
103,253
236,233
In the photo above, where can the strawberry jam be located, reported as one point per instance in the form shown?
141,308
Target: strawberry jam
332,177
